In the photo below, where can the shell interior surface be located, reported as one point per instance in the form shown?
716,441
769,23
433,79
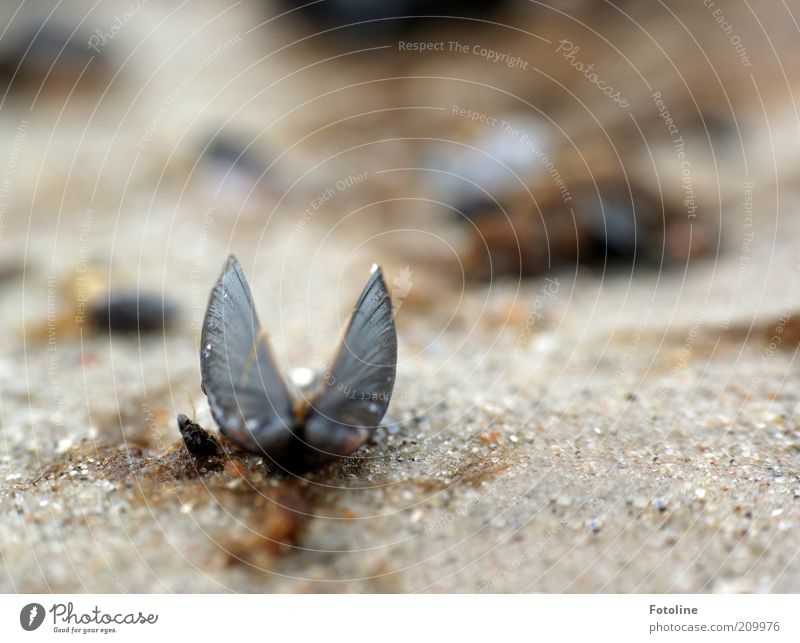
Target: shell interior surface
252,403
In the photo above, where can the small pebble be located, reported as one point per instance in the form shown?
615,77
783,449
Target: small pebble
132,311
490,436
660,504
231,153
65,444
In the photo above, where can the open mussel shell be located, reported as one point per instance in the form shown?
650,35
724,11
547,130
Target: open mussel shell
329,418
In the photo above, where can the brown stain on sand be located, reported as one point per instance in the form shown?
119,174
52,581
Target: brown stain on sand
265,512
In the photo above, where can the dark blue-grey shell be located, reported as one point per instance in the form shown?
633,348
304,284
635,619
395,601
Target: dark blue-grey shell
355,392
247,395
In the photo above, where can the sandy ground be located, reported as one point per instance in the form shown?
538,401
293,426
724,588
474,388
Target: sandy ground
587,431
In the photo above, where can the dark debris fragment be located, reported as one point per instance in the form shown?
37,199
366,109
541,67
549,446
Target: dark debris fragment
198,441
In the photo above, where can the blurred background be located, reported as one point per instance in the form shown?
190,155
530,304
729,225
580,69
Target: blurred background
585,210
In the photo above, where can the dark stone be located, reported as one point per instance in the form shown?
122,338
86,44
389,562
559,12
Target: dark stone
132,312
